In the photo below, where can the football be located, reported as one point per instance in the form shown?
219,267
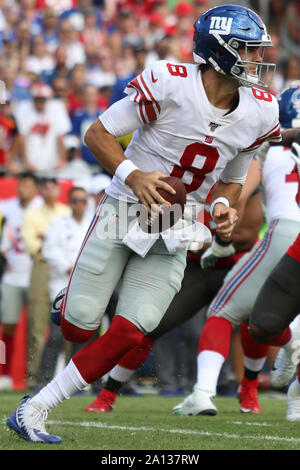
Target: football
159,222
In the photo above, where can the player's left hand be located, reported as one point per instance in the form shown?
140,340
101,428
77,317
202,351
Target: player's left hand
225,219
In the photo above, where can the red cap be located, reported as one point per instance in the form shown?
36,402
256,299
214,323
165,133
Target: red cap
155,18
183,9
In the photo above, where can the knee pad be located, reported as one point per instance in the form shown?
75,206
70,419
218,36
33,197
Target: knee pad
83,311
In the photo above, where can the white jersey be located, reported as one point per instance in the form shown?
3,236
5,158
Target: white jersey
280,185
41,131
181,134
60,249
19,263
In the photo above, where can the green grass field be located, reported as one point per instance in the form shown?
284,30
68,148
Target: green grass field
146,423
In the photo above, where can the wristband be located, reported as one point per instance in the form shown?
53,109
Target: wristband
221,242
222,200
124,169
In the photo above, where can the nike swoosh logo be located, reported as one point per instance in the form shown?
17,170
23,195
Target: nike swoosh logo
153,79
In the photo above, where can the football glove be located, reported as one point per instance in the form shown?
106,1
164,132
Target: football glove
261,154
214,252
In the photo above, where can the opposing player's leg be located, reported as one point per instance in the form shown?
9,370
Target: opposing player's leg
279,299
293,400
255,355
232,306
198,289
284,368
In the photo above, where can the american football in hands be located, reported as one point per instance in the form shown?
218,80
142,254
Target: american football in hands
157,222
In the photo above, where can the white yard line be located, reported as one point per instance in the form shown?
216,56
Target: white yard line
92,424
251,423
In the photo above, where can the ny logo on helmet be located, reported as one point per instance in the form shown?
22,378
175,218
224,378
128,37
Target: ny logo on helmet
220,25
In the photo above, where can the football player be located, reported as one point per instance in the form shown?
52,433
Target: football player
235,300
278,303
199,286
201,124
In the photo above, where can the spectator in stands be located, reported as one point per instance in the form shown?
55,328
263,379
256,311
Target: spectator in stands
50,29
291,27
60,90
76,87
39,60
124,76
9,140
183,30
16,278
61,245
155,31
23,42
42,132
100,69
200,7
69,39
35,225
76,168
60,68
290,71
63,239
166,49
29,13
93,36
126,32
9,52
83,118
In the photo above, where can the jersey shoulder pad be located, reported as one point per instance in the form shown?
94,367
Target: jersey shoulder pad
265,106
148,90
148,85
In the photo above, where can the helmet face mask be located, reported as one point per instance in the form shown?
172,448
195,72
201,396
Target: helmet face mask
222,33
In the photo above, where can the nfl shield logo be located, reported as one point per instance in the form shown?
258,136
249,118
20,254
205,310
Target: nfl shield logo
213,126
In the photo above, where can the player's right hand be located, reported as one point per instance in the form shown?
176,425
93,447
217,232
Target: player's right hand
145,184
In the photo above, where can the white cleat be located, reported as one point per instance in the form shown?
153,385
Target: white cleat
285,363
6,383
200,402
293,402
28,422
283,369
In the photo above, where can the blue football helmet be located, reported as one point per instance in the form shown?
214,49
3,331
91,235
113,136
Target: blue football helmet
221,32
289,107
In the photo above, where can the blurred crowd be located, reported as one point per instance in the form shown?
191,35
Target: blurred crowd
63,62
